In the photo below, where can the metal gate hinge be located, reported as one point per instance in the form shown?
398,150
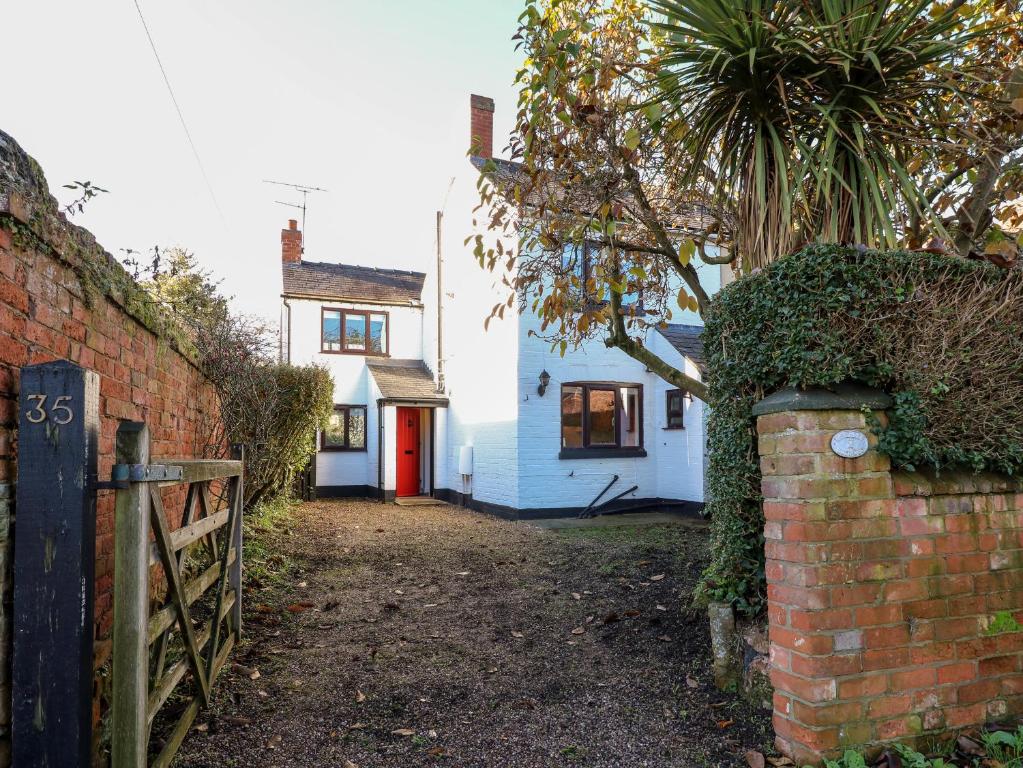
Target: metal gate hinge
123,474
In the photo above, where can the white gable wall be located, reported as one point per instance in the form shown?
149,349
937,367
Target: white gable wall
479,364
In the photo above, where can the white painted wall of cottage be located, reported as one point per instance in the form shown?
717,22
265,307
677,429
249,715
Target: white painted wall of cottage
679,454
673,467
479,365
353,383
516,434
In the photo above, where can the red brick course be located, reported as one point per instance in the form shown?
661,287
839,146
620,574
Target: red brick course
883,588
49,312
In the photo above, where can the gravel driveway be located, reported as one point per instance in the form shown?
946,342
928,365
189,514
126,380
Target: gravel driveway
419,636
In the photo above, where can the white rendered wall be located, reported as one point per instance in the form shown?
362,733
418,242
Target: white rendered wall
353,383
545,481
679,452
480,365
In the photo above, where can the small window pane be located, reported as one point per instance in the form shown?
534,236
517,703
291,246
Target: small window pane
332,331
630,417
356,427
334,434
676,411
378,334
571,417
602,417
355,332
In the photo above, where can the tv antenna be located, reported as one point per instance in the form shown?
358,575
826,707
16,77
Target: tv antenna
304,189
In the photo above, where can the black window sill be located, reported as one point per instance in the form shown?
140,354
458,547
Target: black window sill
601,453
340,449
673,429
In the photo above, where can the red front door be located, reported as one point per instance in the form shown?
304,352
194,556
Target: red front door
408,452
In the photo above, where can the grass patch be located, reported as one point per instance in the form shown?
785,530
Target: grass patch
652,536
265,527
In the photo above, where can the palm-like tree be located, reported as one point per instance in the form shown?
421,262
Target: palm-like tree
811,117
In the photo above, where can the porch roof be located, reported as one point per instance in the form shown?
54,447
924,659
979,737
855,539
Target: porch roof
405,381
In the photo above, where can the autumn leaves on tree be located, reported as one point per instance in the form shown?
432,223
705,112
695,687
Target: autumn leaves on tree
655,136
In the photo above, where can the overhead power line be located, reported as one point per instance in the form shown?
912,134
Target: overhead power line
181,116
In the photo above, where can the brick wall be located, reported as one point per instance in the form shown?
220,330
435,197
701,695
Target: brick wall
63,297
886,591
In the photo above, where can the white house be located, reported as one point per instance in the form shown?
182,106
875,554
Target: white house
430,403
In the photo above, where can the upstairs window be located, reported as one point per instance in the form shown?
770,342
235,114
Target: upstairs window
601,418
676,409
354,331
346,429
578,261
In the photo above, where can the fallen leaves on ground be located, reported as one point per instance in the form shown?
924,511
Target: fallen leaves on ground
755,759
403,732
249,672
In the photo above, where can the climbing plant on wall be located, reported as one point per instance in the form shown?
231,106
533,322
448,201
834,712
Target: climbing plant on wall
942,335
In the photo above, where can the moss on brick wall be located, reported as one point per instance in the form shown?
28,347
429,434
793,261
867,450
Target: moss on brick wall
62,297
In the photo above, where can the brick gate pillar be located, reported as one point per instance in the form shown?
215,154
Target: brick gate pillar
830,531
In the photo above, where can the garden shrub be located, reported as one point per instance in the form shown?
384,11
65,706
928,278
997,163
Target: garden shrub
274,411
942,335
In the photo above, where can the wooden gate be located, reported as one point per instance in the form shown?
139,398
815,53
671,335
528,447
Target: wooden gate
186,639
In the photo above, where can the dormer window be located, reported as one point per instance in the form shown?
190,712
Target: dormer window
354,332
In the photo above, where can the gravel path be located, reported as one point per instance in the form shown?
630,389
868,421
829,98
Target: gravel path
424,636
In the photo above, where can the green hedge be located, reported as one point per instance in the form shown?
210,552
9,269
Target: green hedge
942,335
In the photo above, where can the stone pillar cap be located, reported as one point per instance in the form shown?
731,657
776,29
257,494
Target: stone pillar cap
841,397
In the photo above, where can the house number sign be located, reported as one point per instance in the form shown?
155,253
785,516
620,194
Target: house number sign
849,444
59,412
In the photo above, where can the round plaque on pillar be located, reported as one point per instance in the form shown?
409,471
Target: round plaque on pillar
849,443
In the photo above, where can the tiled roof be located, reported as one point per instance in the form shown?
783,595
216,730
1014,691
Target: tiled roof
686,339
352,283
404,380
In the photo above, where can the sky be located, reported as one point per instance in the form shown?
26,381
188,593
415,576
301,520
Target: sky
367,100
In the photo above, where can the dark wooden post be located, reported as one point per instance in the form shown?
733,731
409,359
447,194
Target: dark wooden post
54,566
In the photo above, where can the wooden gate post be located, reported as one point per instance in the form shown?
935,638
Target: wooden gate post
54,566
238,452
130,663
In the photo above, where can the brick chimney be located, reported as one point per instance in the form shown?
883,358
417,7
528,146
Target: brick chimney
291,243
481,130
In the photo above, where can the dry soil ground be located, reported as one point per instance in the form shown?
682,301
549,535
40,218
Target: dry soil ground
434,636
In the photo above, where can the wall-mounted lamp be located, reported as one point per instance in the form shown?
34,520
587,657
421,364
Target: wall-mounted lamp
545,379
